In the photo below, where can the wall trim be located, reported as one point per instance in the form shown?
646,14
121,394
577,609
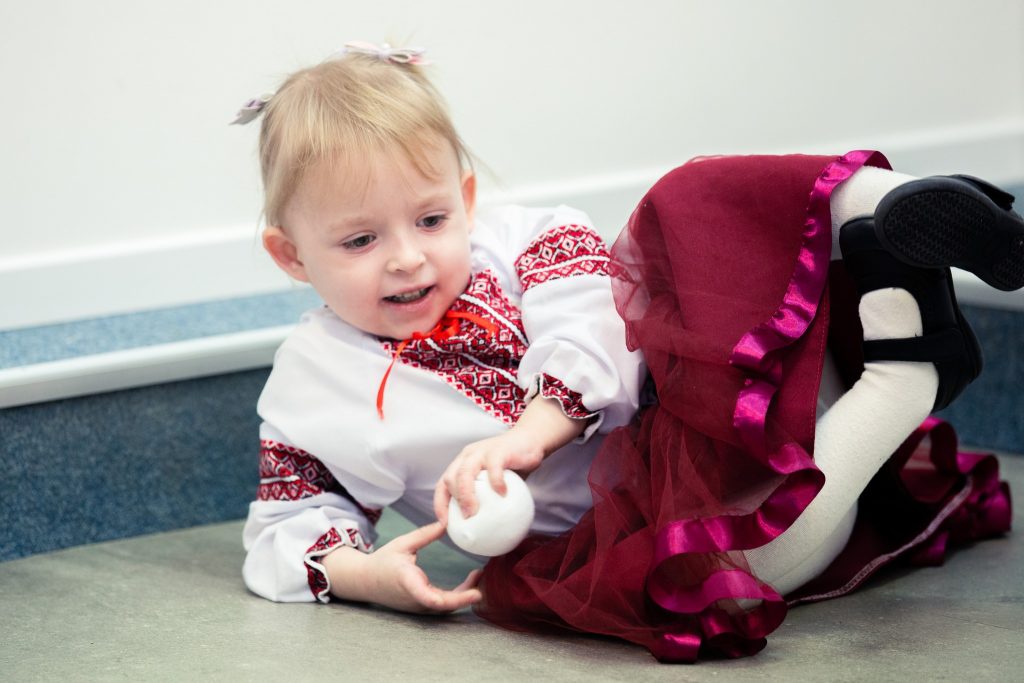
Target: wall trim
194,358
130,368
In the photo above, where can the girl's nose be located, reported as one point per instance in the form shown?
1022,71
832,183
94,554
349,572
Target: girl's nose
407,255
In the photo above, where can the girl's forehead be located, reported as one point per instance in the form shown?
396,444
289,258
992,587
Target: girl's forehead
395,168
348,183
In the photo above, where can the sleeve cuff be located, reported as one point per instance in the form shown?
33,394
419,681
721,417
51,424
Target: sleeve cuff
571,402
319,583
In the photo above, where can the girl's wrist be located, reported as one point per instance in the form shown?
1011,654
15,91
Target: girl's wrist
547,426
347,571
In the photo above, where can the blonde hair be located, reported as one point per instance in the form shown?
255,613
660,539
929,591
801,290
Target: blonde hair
345,107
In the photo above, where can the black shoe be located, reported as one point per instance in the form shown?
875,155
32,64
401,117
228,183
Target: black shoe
955,221
948,340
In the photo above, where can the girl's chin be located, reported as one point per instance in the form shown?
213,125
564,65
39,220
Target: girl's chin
420,316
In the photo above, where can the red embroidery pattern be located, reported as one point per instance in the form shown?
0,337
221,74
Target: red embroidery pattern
563,252
485,367
315,574
290,473
476,363
572,402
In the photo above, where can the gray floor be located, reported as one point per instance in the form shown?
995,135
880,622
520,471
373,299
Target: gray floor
172,606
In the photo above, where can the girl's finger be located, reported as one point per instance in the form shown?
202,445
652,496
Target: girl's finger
465,490
418,587
457,600
421,537
433,599
496,473
449,601
441,499
471,581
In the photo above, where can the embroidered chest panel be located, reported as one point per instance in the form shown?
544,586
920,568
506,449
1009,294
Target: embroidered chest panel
478,364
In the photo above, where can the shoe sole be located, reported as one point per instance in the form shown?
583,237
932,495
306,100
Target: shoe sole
942,222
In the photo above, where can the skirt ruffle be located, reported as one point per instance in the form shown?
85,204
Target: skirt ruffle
723,279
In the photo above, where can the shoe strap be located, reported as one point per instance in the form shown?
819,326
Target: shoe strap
938,347
1002,198
891,274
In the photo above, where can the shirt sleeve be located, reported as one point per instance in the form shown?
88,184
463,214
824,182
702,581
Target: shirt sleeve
577,353
300,514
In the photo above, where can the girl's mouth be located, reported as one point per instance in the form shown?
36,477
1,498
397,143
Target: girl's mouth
409,297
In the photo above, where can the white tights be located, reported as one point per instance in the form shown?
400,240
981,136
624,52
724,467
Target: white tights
858,430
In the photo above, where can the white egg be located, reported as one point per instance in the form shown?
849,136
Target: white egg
499,524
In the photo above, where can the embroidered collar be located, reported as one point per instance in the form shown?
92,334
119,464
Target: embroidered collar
447,327
479,361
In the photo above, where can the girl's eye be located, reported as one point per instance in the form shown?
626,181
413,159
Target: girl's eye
358,242
433,222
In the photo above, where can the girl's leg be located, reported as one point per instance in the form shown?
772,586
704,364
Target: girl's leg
859,196
857,434
853,439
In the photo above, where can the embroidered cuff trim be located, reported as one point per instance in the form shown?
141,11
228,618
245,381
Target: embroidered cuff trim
571,401
316,574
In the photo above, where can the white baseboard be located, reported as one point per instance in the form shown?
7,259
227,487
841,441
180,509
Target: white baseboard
57,286
147,365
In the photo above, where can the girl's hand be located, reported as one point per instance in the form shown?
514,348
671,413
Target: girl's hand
393,578
509,451
541,430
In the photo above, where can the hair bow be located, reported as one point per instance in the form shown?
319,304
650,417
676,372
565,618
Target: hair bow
398,55
251,109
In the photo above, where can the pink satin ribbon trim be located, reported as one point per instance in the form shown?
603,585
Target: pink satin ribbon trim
988,509
757,353
756,350
731,584
734,633
741,532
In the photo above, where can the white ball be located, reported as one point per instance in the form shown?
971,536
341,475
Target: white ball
500,522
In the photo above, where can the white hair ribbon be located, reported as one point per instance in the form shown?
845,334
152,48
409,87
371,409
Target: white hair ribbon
250,110
398,55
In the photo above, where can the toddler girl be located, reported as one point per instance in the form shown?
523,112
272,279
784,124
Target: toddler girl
700,409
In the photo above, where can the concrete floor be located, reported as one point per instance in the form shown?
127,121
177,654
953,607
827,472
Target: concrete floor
172,606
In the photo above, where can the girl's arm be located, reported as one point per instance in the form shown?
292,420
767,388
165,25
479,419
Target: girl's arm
541,430
300,514
390,576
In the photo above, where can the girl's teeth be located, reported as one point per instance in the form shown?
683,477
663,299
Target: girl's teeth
409,296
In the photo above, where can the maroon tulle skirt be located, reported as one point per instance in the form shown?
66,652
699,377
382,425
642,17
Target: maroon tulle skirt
723,279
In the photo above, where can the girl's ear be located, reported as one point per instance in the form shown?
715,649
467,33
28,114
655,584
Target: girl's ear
469,195
284,252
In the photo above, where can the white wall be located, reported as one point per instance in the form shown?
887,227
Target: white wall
123,187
